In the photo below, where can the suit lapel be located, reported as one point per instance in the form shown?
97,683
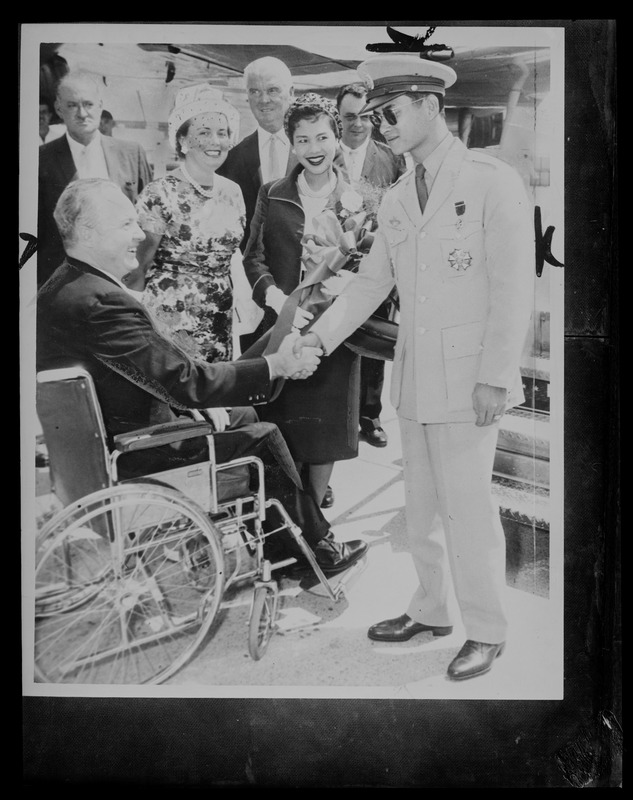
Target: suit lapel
113,163
369,164
408,199
252,166
66,162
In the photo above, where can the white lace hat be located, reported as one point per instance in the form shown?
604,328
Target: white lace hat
201,99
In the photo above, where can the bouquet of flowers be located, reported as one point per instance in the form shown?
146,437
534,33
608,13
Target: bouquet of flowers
341,237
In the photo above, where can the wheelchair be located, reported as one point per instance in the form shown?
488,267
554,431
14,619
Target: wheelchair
130,574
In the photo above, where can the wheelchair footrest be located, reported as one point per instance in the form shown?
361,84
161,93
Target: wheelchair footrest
337,583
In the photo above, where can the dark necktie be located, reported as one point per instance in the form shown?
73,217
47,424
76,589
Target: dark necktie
420,185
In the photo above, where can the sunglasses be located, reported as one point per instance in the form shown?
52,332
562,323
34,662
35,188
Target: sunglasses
388,115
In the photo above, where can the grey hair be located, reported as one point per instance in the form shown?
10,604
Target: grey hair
268,62
84,77
77,203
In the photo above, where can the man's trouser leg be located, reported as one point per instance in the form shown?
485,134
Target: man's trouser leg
245,436
448,476
264,440
372,376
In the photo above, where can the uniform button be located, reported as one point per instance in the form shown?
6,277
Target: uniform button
421,330
422,234
422,299
424,267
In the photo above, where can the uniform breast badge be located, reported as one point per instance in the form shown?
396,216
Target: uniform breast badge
460,259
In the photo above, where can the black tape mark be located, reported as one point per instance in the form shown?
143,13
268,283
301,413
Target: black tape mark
543,243
30,248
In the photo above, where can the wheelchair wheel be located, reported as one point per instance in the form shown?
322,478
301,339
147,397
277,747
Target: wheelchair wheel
127,583
262,621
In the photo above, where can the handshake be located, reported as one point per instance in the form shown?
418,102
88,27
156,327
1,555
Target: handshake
297,357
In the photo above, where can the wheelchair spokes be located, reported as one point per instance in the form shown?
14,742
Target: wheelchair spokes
263,619
148,611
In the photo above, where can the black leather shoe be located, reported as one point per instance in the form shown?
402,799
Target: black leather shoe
374,436
334,557
403,628
475,658
328,498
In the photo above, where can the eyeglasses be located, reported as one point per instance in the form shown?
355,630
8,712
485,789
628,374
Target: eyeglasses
389,115
274,91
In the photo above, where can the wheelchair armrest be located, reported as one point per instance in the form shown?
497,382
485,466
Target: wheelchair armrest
157,435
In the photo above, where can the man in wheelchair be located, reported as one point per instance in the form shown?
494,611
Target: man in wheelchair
87,317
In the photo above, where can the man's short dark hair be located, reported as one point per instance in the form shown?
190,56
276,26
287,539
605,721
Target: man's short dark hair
355,89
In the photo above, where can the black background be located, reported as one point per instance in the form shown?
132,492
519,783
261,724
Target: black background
572,743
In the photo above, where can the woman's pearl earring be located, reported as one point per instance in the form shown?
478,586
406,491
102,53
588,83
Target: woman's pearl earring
184,149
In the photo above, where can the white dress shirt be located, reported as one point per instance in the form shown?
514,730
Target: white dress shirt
89,159
283,151
354,159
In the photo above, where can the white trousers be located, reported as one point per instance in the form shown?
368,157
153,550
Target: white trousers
454,527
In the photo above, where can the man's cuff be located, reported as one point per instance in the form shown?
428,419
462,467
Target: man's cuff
321,344
270,369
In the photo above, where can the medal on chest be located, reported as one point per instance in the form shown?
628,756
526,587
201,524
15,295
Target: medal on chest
460,208
459,258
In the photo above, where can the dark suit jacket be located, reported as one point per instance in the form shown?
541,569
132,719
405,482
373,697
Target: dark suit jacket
381,166
243,166
127,166
86,319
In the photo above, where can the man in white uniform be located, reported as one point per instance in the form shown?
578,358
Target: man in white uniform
459,246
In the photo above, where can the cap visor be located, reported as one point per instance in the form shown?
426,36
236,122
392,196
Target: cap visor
379,101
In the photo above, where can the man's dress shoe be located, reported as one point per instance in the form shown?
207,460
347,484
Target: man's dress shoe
401,629
328,498
475,658
374,436
334,557
331,556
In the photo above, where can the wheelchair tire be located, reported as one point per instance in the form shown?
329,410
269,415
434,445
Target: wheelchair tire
128,581
263,620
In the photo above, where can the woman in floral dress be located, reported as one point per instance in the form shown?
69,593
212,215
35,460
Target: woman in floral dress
193,220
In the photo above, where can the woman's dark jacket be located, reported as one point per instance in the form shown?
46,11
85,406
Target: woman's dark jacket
318,416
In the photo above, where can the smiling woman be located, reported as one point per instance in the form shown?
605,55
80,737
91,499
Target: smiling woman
319,422
193,221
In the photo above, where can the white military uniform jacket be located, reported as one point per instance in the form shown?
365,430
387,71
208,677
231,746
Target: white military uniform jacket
465,274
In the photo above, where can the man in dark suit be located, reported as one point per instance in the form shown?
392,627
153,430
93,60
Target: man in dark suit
86,316
265,154
82,153
369,162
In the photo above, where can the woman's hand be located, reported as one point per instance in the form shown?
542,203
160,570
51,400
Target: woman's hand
275,299
218,417
302,317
